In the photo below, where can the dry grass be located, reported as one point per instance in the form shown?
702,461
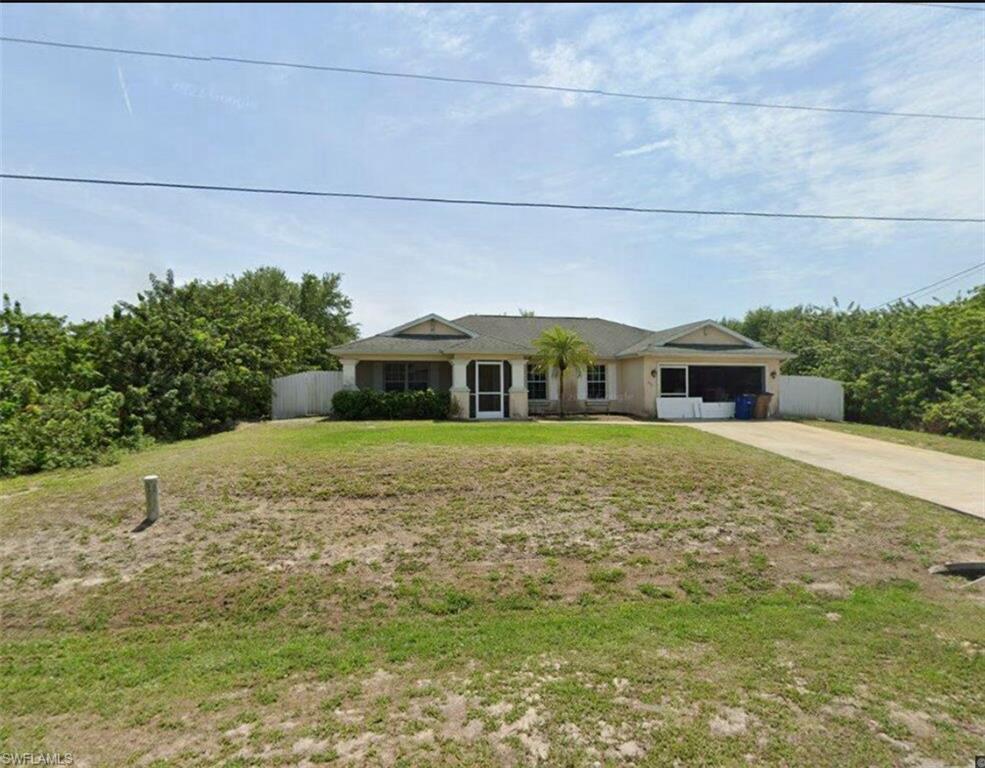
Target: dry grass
482,594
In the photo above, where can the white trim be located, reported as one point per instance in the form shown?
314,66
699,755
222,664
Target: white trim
660,367
727,331
531,368
605,381
488,414
432,316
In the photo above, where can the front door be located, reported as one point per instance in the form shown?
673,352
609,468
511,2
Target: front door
488,390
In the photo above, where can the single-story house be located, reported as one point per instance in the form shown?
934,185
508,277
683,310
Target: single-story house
689,371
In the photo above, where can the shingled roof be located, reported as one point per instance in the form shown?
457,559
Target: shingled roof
606,337
509,334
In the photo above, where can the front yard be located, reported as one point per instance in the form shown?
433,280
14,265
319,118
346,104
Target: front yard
484,594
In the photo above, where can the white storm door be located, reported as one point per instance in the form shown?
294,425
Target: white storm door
488,390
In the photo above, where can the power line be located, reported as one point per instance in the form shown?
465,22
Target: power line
942,285
932,292
942,281
491,83
948,7
481,202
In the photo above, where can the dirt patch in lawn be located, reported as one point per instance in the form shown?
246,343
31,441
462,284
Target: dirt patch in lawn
455,594
398,522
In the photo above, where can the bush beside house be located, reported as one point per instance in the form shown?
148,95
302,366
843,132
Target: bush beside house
180,361
361,404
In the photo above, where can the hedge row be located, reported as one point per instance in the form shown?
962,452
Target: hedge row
370,404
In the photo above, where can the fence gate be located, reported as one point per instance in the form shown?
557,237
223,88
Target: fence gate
812,397
304,394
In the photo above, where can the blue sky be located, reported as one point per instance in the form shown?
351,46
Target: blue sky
76,250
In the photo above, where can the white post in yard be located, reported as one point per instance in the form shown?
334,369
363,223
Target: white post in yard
150,493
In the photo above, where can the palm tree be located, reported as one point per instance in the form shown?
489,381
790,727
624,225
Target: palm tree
561,348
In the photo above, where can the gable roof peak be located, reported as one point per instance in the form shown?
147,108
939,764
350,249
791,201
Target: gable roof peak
434,317
684,330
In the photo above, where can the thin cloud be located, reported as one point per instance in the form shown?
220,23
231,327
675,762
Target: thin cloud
123,89
645,149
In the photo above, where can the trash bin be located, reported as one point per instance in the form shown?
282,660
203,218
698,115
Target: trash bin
762,407
744,405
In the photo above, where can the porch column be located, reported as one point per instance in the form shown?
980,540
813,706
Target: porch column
348,373
518,389
459,387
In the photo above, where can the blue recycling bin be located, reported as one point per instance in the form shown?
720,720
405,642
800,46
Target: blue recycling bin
744,406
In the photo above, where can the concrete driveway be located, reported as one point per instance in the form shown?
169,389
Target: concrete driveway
955,482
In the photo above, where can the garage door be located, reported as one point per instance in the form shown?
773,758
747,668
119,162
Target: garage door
689,391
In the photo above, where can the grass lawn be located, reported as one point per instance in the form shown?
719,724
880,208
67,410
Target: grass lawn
484,594
973,449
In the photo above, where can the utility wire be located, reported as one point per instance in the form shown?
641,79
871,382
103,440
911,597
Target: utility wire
977,8
943,286
480,202
948,279
492,83
932,292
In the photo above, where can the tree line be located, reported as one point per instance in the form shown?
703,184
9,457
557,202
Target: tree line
906,366
191,359
181,361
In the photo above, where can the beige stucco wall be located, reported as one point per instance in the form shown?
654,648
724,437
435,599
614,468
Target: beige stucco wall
631,386
707,335
431,327
625,391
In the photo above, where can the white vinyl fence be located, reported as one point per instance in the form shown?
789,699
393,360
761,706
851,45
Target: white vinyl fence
812,397
304,394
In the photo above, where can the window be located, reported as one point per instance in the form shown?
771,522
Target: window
536,384
394,377
596,382
673,382
398,377
418,375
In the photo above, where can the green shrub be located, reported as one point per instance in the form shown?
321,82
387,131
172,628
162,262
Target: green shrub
66,428
906,366
180,361
357,404
961,414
